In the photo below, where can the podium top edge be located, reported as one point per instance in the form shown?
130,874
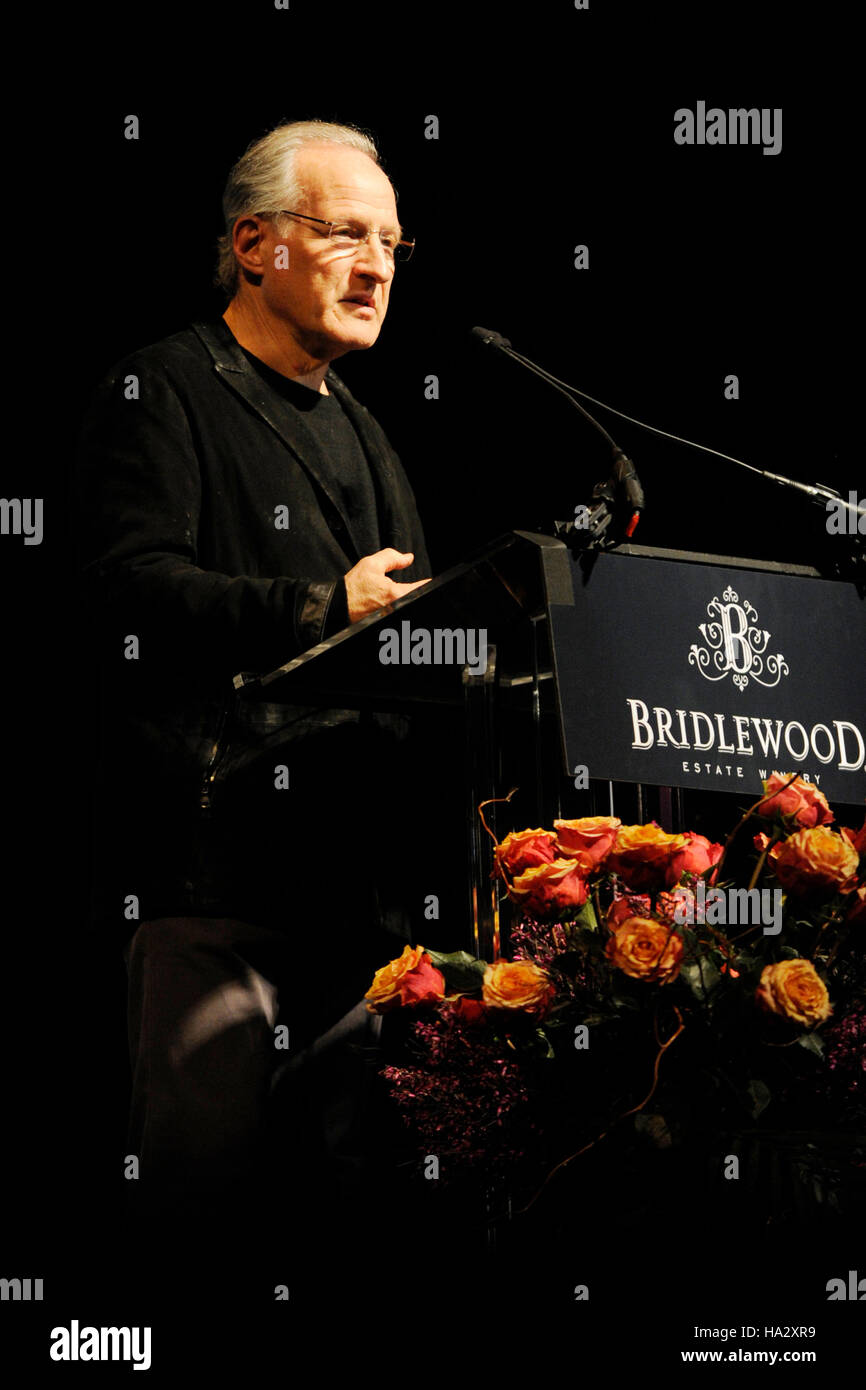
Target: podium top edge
695,557
689,557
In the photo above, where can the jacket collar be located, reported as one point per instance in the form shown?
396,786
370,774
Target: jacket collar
238,374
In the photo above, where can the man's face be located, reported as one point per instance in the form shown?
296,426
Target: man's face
331,301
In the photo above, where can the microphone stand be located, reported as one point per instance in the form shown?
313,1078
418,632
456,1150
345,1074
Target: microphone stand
617,501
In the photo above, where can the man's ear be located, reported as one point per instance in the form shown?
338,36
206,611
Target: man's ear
247,236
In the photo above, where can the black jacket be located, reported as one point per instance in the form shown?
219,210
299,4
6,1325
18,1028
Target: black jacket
185,457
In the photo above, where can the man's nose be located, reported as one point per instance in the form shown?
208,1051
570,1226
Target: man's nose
373,260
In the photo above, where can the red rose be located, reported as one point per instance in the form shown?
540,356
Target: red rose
628,905
423,985
587,840
695,858
801,803
857,911
857,838
472,1011
523,849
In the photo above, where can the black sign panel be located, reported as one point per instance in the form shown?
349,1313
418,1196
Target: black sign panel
712,675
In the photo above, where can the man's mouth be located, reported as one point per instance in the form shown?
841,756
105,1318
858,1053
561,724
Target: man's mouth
362,301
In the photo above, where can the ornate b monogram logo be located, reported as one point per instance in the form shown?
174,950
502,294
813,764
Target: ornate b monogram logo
735,645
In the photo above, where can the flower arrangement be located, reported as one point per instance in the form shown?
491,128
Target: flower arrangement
662,987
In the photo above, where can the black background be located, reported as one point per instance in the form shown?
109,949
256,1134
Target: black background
556,129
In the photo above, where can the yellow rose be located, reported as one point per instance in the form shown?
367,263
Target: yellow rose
643,855
816,860
646,950
794,989
517,985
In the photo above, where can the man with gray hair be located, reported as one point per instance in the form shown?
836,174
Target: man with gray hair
237,507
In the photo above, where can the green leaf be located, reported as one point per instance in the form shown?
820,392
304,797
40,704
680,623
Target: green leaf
692,975
586,918
463,973
624,1001
760,1096
654,1127
812,1043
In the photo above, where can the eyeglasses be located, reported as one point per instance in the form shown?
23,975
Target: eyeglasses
349,236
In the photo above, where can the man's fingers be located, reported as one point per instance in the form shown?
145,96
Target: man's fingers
395,559
368,586
416,584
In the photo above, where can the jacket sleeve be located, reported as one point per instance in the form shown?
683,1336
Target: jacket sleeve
139,499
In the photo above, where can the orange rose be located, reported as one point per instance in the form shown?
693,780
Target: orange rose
801,803
517,985
695,858
815,861
646,950
411,979
642,856
549,888
523,849
794,989
587,840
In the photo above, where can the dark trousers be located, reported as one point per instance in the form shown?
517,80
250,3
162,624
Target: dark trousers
215,1103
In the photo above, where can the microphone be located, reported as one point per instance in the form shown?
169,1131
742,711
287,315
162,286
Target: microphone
488,335
629,487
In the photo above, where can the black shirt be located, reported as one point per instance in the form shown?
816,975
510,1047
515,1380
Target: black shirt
349,473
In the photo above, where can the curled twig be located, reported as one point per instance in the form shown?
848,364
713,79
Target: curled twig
491,801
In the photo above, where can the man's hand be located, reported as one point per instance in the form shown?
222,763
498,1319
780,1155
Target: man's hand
368,586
